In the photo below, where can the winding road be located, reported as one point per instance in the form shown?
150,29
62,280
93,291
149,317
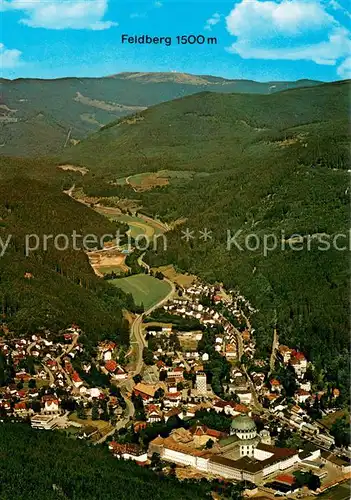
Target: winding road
127,384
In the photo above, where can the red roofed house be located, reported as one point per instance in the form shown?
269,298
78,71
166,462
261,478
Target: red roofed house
77,381
21,409
276,386
229,407
128,451
336,393
69,368
302,395
111,365
230,351
51,404
139,425
299,363
23,376
176,373
285,479
172,398
120,374
52,364
153,414
146,391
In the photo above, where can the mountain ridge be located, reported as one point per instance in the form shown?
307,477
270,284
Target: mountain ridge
66,110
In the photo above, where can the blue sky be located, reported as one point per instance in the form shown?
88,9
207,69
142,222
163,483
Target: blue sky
256,39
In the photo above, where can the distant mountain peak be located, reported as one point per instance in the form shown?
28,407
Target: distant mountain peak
165,77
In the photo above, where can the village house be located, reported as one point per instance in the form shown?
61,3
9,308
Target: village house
299,363
77,381
146,391
302,396
153,414
51,405
285,353
128,451
276,386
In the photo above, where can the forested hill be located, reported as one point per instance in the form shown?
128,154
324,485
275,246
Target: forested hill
40,117
210,131
41,465
62,287
268,164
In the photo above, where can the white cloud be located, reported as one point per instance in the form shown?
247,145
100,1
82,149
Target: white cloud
61,14
344,70
291,30
158,4
9,58
212,21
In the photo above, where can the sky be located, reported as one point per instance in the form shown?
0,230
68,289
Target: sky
255,39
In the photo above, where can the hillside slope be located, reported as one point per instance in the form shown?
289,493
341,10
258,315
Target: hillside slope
208,131
42,116
40,465
277,165
50,286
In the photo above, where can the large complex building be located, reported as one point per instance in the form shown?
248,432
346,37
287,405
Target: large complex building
244,455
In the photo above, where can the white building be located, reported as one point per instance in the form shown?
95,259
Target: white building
201,382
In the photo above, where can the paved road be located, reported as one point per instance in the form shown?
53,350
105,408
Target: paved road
275,345
136,329
127,385
142,263
64,353
46,368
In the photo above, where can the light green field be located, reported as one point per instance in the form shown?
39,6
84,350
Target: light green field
137,179
144,288
121,181
138,226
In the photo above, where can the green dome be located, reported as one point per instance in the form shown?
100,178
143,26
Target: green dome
242,423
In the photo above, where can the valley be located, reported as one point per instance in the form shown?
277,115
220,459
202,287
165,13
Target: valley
44,116
161,338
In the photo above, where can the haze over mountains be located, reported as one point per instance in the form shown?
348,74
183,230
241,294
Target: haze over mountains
45,116
261,162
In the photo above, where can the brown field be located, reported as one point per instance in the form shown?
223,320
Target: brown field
183,280
146,182
107,261
73,168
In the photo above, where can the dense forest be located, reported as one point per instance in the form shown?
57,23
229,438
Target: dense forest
272,164
275,165
49,114
41,465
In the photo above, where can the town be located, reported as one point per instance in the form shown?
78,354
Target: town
199,402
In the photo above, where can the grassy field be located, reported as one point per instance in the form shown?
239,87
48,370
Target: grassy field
138,226
145,289
181,279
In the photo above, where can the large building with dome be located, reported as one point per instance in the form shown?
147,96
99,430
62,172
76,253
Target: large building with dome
243,455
